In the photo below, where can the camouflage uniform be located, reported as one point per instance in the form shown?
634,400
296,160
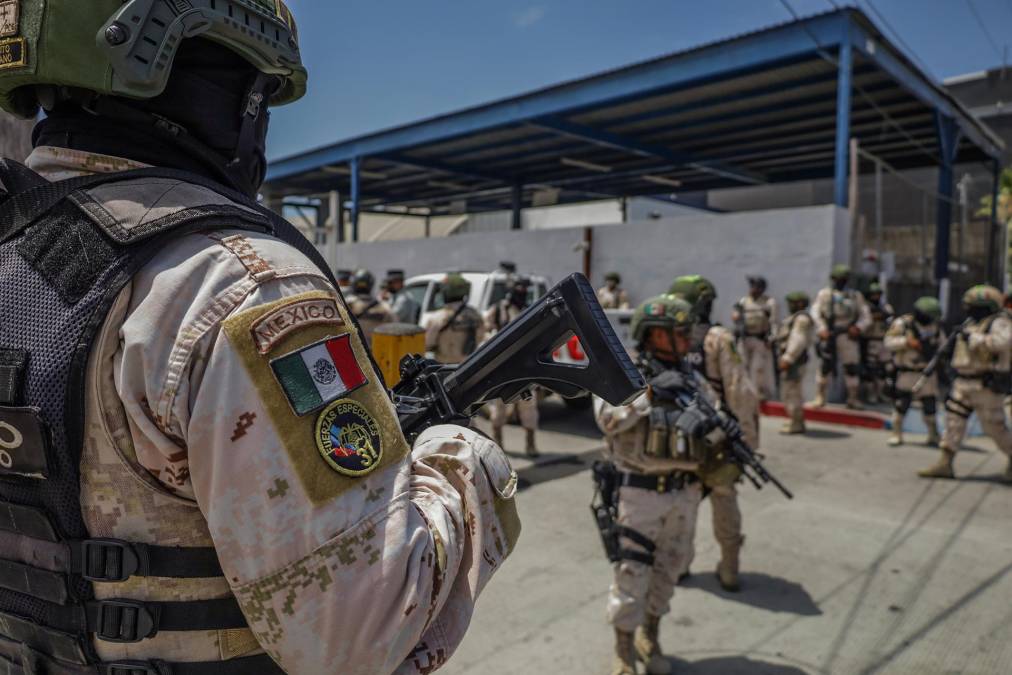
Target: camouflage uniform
371,313
496,318
794,340
190,441
615,298
448,340
877,355
759,317
724,370
835,311
981,360
908,363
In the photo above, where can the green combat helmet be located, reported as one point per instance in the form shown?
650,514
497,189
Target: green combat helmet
126,49
666,311
983,296
797,300
840,271
694,289
928,307
455,288
613,276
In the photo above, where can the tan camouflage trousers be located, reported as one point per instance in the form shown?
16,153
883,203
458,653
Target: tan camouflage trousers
848,355
969,395
759,365
669,520
792,395
527,411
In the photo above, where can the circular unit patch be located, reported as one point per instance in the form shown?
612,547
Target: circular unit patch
348,438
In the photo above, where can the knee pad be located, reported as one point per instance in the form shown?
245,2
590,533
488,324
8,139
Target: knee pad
902,404
929,405
959,409
826,367
852,369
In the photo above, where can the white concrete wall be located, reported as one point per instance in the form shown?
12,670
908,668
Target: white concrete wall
793,248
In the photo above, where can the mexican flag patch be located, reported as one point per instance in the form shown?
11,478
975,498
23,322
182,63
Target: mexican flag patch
318,374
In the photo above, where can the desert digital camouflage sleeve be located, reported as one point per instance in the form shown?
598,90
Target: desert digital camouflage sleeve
349,551
726,364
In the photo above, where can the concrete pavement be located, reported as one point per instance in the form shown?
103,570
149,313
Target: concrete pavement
870,570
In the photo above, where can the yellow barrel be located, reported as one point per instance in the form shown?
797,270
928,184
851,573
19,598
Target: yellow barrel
391,342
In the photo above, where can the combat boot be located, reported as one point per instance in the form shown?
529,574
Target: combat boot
942,468
727,568
625,654
853,402
791,427
648,648
932,423
531,449
896,437
497,436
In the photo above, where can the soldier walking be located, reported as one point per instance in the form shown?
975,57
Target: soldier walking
456,329
612,295
655,474
875,355
980,359
913,339
794,338
370,311
496,318
717,359
841,315
755,320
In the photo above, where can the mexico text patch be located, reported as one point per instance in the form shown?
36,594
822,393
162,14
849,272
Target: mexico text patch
283,321
348,438
315,375
13,52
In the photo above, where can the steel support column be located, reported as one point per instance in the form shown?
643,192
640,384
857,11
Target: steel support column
356,164
517,205
843,103
948,142
996,253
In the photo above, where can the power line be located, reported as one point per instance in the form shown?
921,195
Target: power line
899,38
983,28
821,51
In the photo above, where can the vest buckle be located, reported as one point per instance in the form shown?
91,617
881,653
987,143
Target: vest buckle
131,668
124,621
108,560
662,483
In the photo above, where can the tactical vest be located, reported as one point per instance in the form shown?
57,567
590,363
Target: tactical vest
757,318
784,337
63,261
842,308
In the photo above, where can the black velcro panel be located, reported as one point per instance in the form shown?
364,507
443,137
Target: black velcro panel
13,366
40,583
27,520
69,251
58,644
24,443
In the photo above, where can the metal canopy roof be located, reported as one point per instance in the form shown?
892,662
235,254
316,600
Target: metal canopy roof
758,108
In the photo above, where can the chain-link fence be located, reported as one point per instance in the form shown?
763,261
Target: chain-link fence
894,224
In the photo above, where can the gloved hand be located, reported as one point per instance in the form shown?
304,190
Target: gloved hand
665,387
694,423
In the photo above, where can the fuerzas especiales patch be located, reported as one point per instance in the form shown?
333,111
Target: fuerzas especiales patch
326,403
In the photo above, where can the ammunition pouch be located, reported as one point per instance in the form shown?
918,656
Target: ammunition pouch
999,382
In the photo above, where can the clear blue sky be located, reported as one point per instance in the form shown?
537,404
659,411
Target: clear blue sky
379,63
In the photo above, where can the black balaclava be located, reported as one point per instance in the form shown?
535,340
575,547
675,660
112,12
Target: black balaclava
840,283
704,308
923,319
977,312
211,119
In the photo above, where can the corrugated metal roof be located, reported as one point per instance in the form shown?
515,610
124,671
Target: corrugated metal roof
758,107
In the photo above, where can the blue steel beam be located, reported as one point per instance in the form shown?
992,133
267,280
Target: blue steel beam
716,61
948,143
843,85
356,197
874,48
618,142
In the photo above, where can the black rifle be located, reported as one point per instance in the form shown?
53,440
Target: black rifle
518,358
739,321
690,395
941,353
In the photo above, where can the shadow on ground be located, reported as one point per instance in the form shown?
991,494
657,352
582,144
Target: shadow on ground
826,433
734,665
760,590
549,467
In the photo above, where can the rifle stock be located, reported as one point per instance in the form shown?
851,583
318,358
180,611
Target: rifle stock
519,357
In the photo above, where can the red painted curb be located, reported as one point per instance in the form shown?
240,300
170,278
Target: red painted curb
830,415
